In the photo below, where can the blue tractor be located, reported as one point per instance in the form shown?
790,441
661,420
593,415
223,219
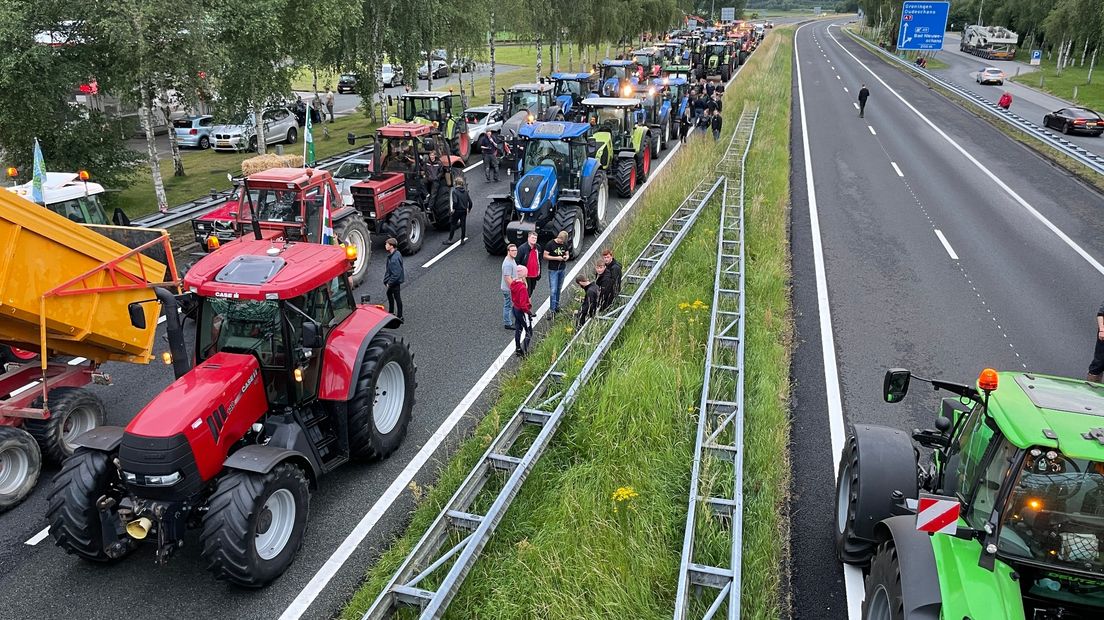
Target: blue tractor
560,186
571,88
678,93
615,75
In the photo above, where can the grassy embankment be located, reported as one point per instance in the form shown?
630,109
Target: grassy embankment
1046,79
567,548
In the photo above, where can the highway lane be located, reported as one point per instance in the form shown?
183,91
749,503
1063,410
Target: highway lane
997,285
454,327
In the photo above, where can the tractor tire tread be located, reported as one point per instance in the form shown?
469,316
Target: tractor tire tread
48,433
71,504
495,219
365,443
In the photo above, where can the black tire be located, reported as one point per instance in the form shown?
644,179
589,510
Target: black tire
666,136
71,512
377,419
849,548
624,176
292,135
654,141
253,144
884,599
441,206
408,225
20,466
495,218
597,213
73,411
239,515
1067,128
10,355
204,143
569,218
352,229
644,163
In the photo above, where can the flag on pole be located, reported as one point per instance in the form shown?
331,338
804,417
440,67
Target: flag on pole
39,175
327,219
308,142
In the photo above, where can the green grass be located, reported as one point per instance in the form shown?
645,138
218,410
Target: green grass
562,551
1046,79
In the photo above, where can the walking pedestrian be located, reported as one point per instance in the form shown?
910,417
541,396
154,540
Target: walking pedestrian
863,95
523,312
490,147
529,256
330,102
1097,365
556,255
716,126
705,123
604,282
684,125
614,269
590,300
1005,100
717,101
509,273
461,206
393,277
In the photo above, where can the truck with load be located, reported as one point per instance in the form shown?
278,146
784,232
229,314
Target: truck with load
989,42
65,290
1004,520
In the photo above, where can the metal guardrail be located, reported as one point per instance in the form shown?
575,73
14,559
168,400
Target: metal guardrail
190,210
457,536
719,442
1091,160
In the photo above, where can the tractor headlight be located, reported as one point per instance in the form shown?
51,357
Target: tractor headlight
536,202
517,203
165,480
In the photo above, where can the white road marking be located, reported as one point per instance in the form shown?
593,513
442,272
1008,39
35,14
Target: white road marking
856,104
39,537
839,78
845,89
453,246
872,132
474,166
898,170
983,168
946,244
852,576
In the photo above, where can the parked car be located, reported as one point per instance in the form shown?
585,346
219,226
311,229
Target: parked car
439,54
392,75
440,70
990,75
467,65
279,126
349,172
1074,119
347,83
194,131
482,119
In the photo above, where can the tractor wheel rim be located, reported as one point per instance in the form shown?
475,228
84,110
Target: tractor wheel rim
15,466
647,162
879,605
390,397
356,239
78,422
415,230
577,234
275,524
23,355
632,179
843,499
603,201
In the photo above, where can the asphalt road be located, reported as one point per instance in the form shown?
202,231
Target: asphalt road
454,327
1006,289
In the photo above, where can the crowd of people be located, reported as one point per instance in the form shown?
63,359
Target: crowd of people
703,110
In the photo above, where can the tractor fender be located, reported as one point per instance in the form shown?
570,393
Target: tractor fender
626,154
590,166
664,112
343,212
493,197
101,438
262,459
640,137
919,575
887,463
452,161
345,350
565,102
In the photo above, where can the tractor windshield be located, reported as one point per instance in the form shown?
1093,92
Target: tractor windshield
398,155
523,100
607,119
548,153
242,326
424,107
84,209
613,72
644,60
569,87
275,205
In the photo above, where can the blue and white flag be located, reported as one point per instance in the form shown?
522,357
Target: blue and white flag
327,221
39,176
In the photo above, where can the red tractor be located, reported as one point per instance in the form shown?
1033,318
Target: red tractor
403,192
297,204
292,378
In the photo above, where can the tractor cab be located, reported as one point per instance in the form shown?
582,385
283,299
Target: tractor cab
720,59
571,88
443,110
73,196
670,53
677,91
289,203
649,60
528,103
614,75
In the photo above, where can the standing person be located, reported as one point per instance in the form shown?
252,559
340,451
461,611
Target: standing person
1097,365
1005,100
604,282
529,256
523,309
614,269
556,255
461,206
316,109
864,94
393,277
509,274
330,102
490,147
717,103
705,123
716,126
590,300
684,125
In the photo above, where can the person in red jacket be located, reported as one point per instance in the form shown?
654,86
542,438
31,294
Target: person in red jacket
1005,100
523,311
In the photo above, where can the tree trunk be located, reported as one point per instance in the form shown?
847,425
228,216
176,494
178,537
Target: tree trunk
540,56
471,82
429,70
570,57
491,44
1084,52
258,126
559,51
174,147
1092,63
145,115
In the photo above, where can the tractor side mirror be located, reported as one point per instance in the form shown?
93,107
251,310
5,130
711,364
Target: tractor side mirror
895,385
137,315
311,338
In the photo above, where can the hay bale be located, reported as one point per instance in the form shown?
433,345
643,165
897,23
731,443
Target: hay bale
260,163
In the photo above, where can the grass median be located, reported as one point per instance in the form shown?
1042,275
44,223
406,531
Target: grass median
576,543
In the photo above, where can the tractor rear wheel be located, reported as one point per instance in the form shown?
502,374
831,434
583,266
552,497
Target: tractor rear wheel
461,142
654,140
571,220
884,599
644,165
380,410
15,356
495,219
624,176
597,203
20,465
72,514
441,206
408,225
352,230
254,524
666,135
73,411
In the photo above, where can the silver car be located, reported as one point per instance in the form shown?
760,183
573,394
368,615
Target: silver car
349,172
440,70
194,131
279,126
392,75
482,119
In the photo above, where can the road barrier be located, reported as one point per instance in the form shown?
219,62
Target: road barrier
1091,160
719,441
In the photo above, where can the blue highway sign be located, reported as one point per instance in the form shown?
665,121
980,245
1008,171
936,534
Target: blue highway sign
922,25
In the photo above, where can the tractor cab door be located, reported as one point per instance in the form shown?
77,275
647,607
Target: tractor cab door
326,307
977,464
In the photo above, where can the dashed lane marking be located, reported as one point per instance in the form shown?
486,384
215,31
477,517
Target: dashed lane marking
946,244
898,170
872,132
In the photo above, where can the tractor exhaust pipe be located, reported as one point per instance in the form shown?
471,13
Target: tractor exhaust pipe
139,528
175,332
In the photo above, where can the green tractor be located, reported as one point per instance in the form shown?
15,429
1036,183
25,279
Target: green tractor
624,141
720,59
442,110
1005,521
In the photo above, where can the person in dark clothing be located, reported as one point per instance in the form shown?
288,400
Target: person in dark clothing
490,147
529,256
697,104
715,124
590,300
704,123
864,94
614,269
604,281
393,277
709,104
523,311
461,206
684,125
1096,368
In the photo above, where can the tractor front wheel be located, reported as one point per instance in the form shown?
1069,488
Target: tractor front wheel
666,135
495,219
644,165
408,225
441,206
655,143
254,524
352,230
884,599
73,411
380,411
20,465
850,548
571,220
597,203
72,513
624,176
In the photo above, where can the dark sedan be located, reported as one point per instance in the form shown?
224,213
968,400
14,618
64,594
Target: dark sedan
1070,120
347,83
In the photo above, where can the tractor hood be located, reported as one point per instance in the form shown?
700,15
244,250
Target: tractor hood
512,125
539,185
970,591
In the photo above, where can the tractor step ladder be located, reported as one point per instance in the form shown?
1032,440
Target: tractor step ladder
719,442
451,545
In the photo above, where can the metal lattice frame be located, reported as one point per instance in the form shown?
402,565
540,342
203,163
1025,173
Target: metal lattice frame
717,477
453,542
